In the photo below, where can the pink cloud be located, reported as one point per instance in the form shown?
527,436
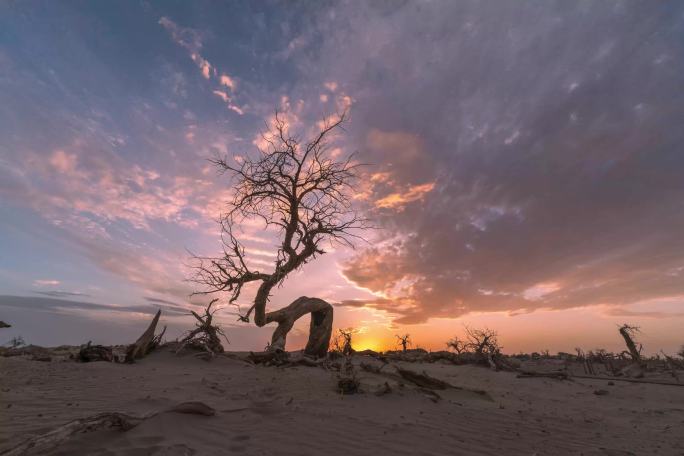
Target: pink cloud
399,200
63,162
222,95
227,81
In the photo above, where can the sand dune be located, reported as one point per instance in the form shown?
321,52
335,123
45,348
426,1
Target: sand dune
296,411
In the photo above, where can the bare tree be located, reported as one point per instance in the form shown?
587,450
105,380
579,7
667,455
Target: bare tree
347,338
304,192
456,344
628,332
404,341
206,335
483,342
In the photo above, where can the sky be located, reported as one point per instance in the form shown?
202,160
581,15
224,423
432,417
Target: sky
524,164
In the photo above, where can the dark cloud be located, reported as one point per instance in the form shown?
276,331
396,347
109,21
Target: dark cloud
53,305
160,301
62,294
552,132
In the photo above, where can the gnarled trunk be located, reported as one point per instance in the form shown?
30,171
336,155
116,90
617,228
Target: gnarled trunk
626,333
320,329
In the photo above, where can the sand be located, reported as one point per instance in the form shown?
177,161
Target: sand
296,411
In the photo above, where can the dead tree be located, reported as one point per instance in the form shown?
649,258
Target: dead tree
303,192
89,353
347,338
485,344
457,345
146,342
627,332
336,343
205,336
404,341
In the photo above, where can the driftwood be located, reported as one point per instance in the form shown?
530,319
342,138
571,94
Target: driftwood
90,353
347,381
146,342
284,359
631,380
556,375
205,336
269,358
423,380
108,420
51,439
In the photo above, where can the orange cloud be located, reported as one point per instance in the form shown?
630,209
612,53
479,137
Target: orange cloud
399,200
227,81
203,64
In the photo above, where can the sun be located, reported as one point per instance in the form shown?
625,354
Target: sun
368,344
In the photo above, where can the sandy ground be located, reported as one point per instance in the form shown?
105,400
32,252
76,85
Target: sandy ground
296,411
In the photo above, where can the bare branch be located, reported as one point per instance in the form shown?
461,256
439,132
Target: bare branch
299,189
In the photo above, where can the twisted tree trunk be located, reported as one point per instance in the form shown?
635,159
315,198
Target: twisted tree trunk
625,332
320,329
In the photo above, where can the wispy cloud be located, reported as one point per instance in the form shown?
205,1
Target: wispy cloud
62,294
191,40
45,282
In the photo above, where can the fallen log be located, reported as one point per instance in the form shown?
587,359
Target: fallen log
630,380
556,375
90,353
108,420
423,380
269,358
146,342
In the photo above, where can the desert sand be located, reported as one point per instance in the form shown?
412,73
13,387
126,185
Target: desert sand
263,410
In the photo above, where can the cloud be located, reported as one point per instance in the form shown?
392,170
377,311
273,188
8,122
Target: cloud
61,294
227,81
399,200
236,109
45,282
222,95
205,67
542,197
52,305
63,162
160,301
191,40
188,38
